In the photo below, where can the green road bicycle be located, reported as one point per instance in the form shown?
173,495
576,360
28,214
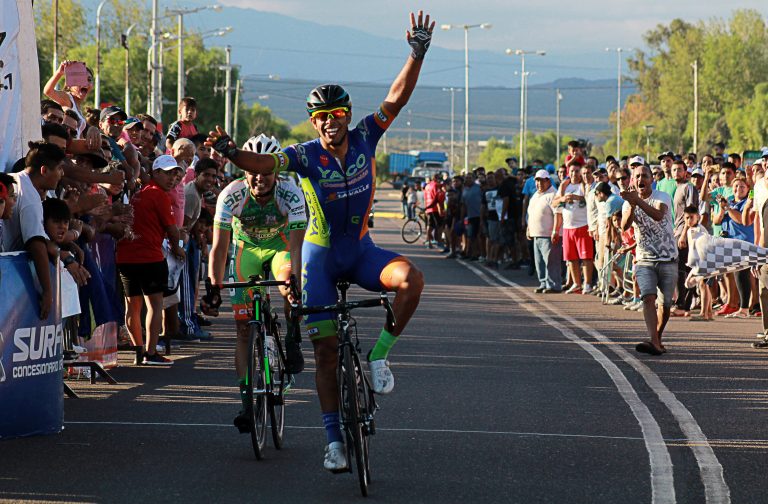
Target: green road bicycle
356,400
266,380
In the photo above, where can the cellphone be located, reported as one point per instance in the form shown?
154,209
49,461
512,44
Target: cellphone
751,194
76,74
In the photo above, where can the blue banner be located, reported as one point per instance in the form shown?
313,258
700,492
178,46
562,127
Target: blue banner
31,363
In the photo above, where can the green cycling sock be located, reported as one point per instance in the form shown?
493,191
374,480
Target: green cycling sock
243,392
382,347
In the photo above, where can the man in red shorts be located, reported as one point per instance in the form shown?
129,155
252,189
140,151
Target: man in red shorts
577,244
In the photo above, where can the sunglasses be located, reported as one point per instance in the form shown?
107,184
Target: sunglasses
625,177
118,122
338,113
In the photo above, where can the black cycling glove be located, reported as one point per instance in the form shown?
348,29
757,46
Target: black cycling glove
212,300
419,41
225,147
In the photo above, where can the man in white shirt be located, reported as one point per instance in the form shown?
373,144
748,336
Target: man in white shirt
648,212
544,223
577,244
44,167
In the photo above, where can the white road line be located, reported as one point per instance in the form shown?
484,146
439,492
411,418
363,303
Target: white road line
662,474
715,488
381,429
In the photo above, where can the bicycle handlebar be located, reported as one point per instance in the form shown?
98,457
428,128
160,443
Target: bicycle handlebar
255,282
338,307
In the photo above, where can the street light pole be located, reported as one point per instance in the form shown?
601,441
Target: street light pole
523,98
648,131
558,99
695,66
97,77
452,90
466,28
125,37
618,100
180,13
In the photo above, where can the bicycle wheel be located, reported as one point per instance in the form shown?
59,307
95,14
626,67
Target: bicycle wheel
412,230
277,397
257,398
354,422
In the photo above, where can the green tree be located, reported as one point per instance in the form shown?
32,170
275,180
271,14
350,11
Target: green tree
72,28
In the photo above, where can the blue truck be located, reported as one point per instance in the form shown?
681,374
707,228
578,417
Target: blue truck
401,163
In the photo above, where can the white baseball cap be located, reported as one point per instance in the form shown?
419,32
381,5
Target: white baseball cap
765,152
542,174
636,160
697,172
165,162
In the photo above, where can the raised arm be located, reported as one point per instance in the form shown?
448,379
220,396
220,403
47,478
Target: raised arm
49,90
251,162
419,37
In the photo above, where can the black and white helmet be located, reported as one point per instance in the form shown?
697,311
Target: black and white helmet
262,144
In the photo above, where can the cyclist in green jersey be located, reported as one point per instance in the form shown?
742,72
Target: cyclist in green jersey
264,216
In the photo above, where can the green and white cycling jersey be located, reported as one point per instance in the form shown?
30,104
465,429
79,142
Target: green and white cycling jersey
265,226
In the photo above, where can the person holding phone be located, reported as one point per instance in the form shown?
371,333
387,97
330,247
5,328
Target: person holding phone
79,82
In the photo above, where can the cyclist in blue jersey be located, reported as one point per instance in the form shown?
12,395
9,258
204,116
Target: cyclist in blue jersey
338,176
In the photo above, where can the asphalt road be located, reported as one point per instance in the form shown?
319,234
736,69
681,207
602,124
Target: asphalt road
501,396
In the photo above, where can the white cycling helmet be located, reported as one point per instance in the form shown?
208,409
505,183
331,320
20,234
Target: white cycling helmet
262,144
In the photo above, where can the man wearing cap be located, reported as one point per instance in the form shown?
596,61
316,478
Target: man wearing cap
140,260
577,244
685,195
667,184
544,223
111,122
647,211
699,183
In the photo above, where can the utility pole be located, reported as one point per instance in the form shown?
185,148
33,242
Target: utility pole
124,41
408,123
97,77
558,99
180,74
153,96
695,66
55,35
237,110
522,109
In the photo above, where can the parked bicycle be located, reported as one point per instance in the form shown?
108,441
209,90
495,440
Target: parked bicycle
414,228
266,380
356,399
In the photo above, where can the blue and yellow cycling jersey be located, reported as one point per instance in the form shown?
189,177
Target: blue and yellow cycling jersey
339,200
337,244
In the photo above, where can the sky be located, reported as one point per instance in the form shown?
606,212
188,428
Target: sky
579,28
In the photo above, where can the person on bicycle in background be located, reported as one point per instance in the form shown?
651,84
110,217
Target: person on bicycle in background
338,176
265,217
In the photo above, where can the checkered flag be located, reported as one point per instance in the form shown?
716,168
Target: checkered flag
709,256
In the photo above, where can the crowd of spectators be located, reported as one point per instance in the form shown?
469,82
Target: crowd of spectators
124,210
108,196
621,229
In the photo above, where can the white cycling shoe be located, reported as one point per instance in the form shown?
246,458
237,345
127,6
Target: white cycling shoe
335,457
381,377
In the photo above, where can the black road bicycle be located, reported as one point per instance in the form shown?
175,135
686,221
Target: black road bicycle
414,228
356,400
267,381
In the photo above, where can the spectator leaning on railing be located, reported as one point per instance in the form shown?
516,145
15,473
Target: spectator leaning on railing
24,230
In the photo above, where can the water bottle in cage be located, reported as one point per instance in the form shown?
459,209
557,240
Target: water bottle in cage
272,351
